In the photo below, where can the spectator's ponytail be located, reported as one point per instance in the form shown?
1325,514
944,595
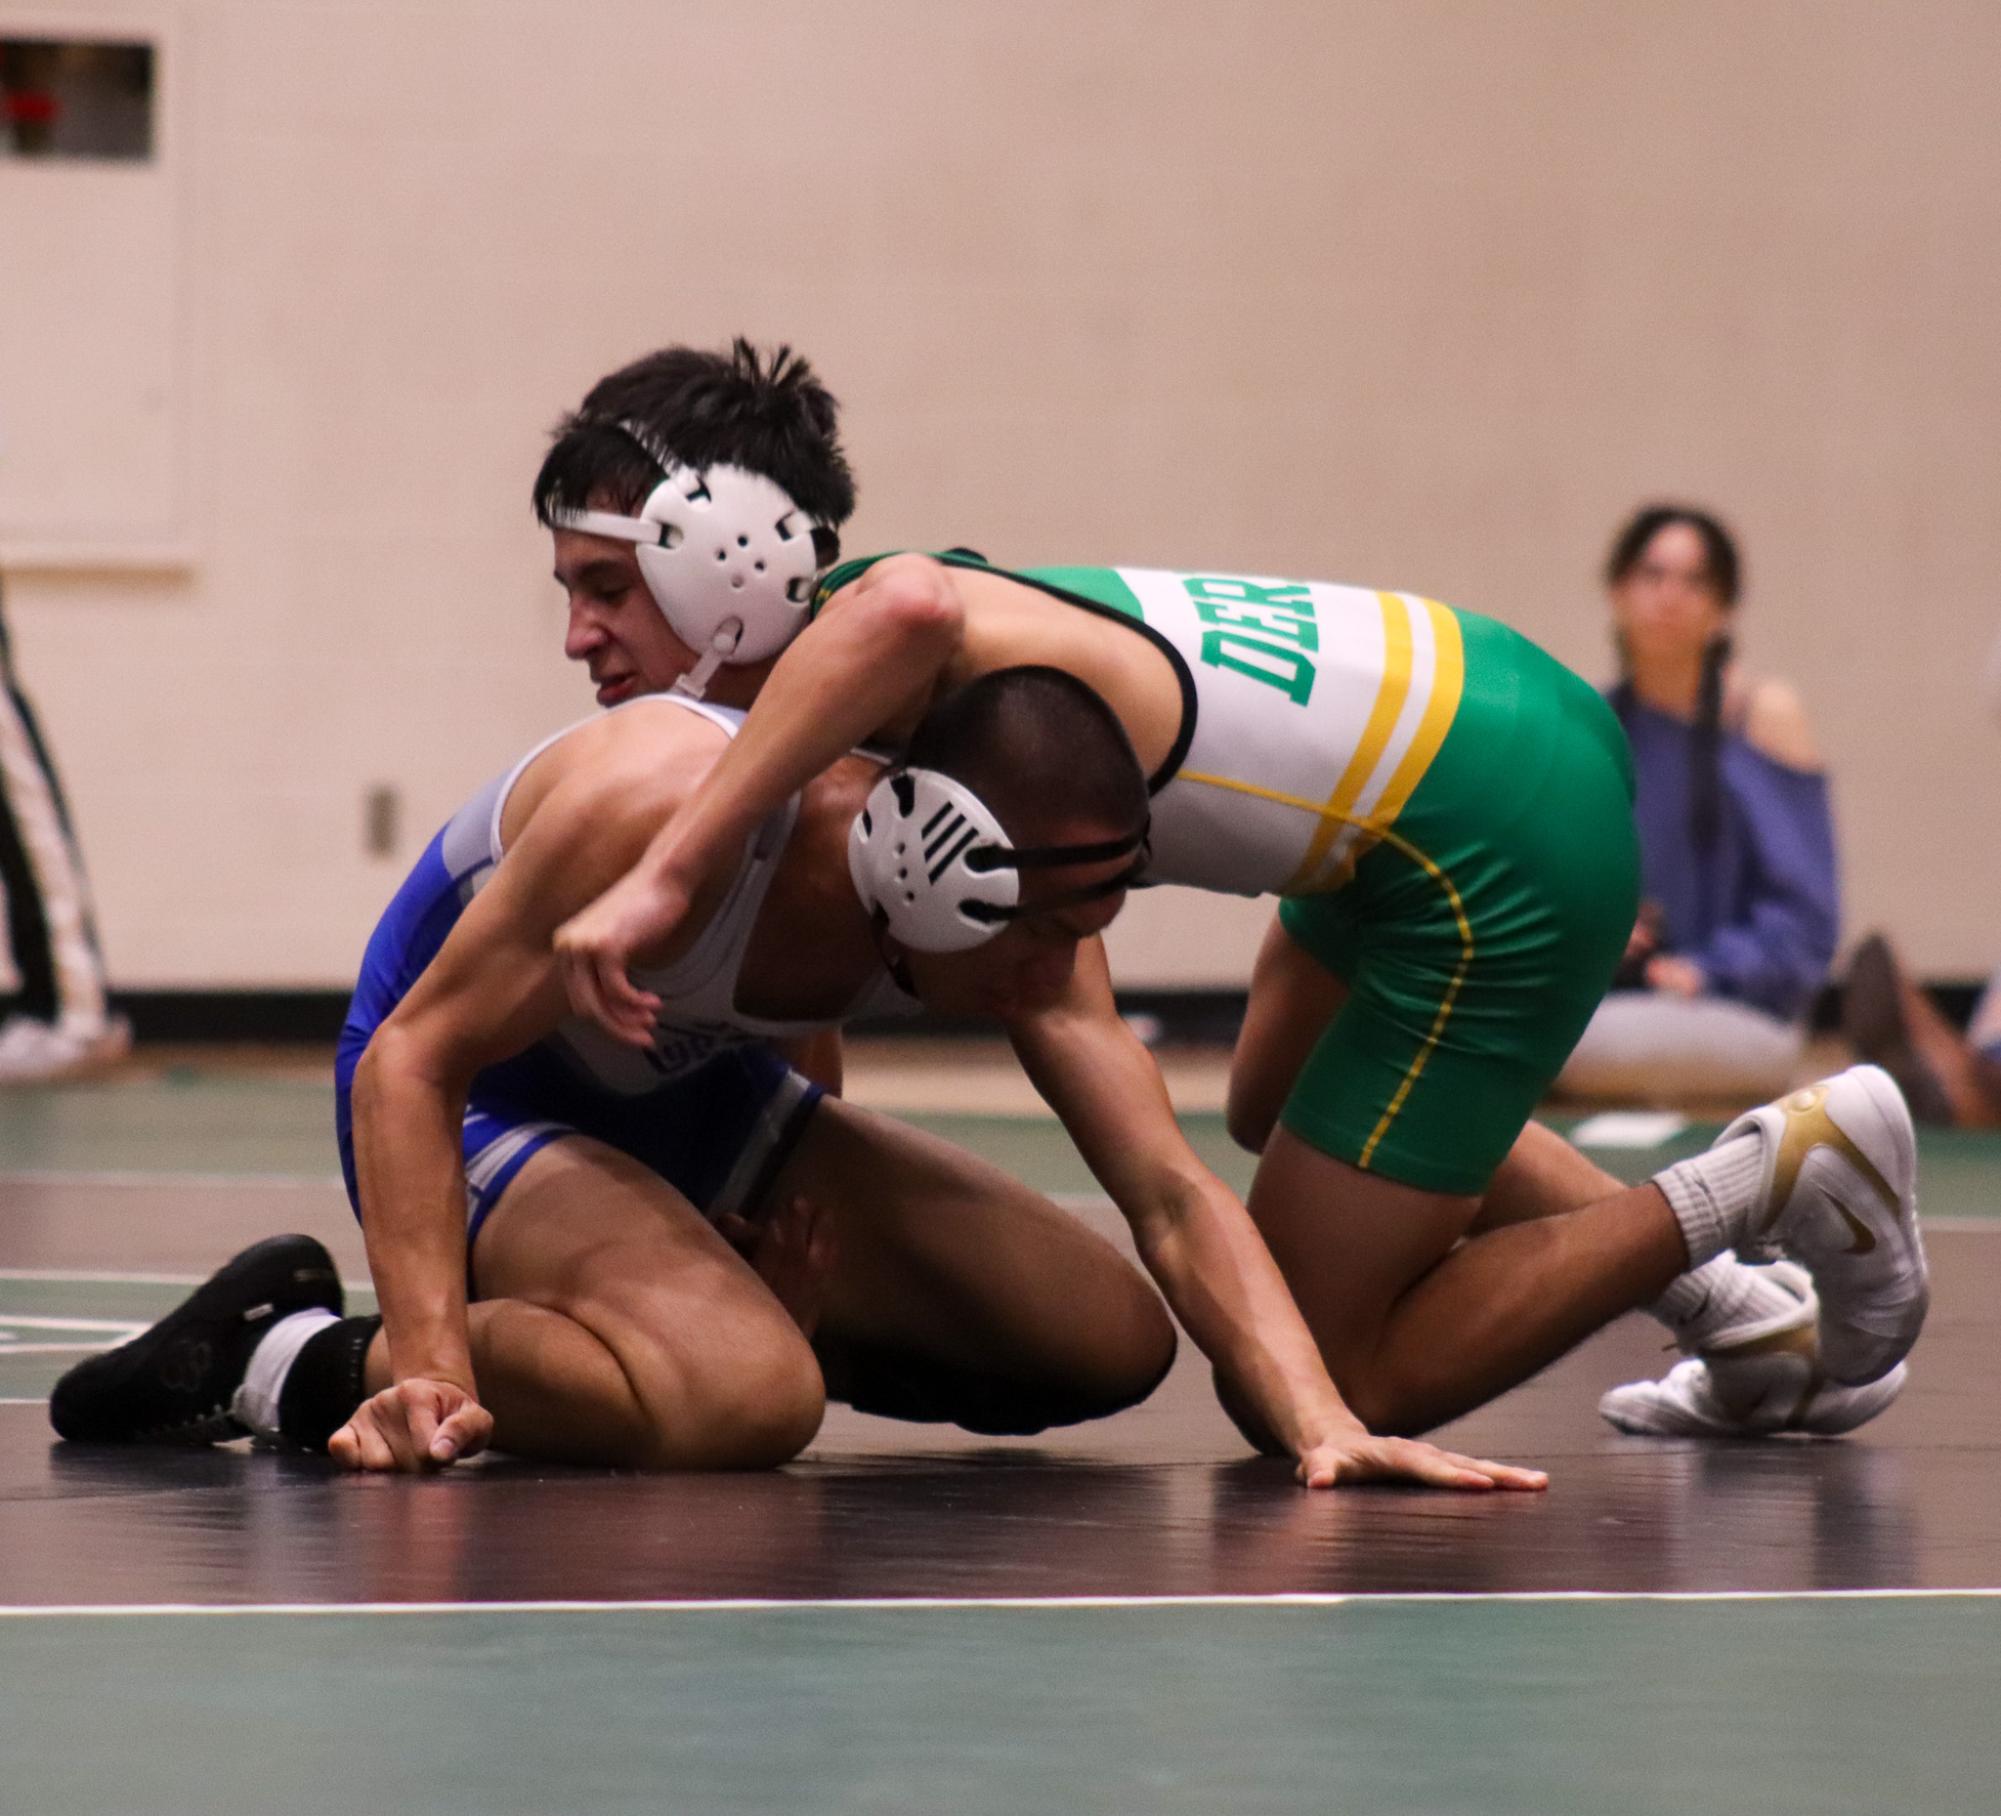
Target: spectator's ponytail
1705,786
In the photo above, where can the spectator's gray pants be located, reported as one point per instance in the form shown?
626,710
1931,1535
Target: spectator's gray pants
1644,1046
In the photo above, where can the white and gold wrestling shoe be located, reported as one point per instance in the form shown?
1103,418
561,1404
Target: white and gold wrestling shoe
1780,1394
1756,1379
1839,1195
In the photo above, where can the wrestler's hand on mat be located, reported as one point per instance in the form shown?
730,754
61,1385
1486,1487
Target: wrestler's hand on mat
1364,1458
595,946
414,1426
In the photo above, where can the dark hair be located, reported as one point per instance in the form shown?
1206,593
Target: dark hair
1719,556
1040,748
767,413
1719,550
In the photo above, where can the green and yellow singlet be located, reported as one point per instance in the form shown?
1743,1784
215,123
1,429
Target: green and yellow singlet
1446,809
1312,712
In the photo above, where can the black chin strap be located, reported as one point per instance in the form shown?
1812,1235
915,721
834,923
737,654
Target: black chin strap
1056,857
1053,857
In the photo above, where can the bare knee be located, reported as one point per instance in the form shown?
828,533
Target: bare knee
1122,1369
1131,1346
1233,1400
1381,1412
1122,1378
1151,1352
1368,1401
1389,1408
755,1408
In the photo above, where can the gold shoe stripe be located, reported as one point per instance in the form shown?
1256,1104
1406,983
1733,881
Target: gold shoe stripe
1800,1340
1809,1126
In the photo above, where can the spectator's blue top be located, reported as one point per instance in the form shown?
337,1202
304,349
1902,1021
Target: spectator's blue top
1758,910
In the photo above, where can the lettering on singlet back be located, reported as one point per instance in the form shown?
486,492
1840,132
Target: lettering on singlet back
681,1047
1265,632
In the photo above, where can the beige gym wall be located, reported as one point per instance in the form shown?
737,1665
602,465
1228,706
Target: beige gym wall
1419,294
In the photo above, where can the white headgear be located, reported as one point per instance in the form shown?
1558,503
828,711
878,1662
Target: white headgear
929,856
728,557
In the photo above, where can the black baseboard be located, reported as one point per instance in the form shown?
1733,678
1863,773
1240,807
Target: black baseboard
221,1017
193,1017
1168,1016
1163,1017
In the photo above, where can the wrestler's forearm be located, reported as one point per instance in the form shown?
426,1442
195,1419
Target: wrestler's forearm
412,1187
871,660
1193,1233
1222,1283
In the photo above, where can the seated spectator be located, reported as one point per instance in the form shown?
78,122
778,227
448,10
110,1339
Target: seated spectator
1739,913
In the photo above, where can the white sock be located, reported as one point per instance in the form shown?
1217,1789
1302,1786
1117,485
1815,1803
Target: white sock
255,1403
1710,1299
1711,1192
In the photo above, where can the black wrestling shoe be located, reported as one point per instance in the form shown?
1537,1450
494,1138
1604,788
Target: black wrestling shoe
173,1384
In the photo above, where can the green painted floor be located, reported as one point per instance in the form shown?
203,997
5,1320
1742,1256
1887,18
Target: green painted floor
1505,1708
194,1122
188,1121
1499,1708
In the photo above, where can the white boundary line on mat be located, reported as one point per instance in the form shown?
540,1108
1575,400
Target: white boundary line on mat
914,1604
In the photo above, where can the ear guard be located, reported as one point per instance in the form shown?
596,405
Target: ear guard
729,559
930,857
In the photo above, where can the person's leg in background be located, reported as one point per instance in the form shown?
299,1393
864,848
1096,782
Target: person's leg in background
1646,1047
1950,1079
61,1022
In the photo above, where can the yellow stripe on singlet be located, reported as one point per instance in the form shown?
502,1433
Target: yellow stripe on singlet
1383,715
1451,996
1448,682
1454,984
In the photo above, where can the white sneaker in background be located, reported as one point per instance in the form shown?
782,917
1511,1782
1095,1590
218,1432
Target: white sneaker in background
35,1052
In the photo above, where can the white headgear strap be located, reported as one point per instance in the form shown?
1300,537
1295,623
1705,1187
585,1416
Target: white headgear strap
728,557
